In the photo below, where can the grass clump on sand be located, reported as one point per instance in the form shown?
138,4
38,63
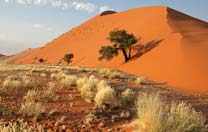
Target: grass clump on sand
128,97
156,116
12,84
108,73
99,91
68,80
106,96
30,106
18,126
88,87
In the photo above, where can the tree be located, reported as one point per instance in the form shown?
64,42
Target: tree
122,41
68,57
41,60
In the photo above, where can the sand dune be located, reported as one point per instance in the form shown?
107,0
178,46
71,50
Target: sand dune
179,59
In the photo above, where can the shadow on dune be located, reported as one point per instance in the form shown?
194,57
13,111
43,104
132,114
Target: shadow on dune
143,49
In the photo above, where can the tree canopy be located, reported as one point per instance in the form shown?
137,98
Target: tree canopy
122,41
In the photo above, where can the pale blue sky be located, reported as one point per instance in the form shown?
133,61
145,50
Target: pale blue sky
32,23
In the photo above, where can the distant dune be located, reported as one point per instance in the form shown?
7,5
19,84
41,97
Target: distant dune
179,56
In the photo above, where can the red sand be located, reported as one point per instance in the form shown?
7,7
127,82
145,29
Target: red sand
180,59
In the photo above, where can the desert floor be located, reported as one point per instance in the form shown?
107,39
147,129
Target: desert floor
56,104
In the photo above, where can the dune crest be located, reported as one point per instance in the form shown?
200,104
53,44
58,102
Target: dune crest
180,59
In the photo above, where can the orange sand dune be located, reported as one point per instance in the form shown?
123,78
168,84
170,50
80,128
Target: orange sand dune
179,59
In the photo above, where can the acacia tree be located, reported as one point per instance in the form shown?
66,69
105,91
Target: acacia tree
68,57
122,41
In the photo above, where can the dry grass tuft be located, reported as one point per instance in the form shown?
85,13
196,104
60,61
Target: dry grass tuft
106,96
88,88
12,84
108,73
68,80
156,116
31,108
19,126
127,97
139,80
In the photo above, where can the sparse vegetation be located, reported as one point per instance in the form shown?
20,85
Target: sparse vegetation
31,108
88,88
45,93
41,60
68,80
18,126
121,41
108,73
106,96
128,97
68,57
12,84
156,116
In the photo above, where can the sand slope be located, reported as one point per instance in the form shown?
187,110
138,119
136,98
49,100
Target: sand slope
179,59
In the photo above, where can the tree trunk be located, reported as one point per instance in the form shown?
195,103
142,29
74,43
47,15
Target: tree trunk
125,55
129,53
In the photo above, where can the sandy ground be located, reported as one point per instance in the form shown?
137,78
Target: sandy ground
180,58
68,110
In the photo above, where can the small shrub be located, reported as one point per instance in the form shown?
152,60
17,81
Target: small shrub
68,57
31,108
127,97
29,82
41,60
105,96
156,116
102,84
4,111
68,80
19,126
81,82
12,84
88,91
88,87
58,76
108,73
50,92
32,95
139,80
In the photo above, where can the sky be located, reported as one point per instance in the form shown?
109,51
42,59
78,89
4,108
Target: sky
32,23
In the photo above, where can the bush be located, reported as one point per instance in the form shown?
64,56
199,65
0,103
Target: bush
32,95
18,126
106,96
31,108
88,88
29,82
156,116
12,84
139,80
108,73
127,97
68,80
68,57
81,82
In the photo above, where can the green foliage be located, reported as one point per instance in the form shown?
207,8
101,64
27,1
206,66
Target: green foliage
108,52
121,40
